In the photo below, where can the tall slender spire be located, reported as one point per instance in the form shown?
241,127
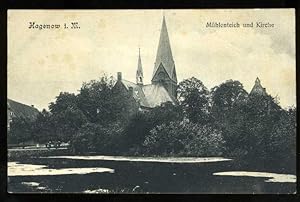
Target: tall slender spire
164,55
139,72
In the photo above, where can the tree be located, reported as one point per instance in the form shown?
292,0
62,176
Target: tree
282,143
66,117
141,123
97,138
63,101
67,123
193,96
43,127
135,131
102,104
20,131
246,121
95,99
165,113
229,103
262,114
226,98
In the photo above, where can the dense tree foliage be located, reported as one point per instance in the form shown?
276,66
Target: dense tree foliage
246,121
66,117
184,139
225,121
282,144
228,102
94,100
141,123
227,98
20,131
193,96
43,127
97,138
100,103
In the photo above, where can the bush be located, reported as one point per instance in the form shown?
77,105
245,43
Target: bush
184,139
141,123
97,138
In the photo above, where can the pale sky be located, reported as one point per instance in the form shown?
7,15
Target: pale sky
42,63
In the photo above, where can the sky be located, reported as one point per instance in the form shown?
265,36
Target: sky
42,63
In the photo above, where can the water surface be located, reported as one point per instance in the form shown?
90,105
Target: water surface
18,169
146,159
273,177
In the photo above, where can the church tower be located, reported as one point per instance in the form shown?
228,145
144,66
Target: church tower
164,72
258,89
139,71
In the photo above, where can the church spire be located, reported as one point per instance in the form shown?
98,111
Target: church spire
258,89
164,57
139,72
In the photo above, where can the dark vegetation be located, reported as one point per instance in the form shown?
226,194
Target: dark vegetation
225,121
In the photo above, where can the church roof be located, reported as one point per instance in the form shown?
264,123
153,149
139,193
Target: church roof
151,95
138,93
22,110
156,94
258,89
164,53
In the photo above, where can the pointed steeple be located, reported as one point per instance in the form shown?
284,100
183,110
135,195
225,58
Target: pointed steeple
139,72
164,55
257,88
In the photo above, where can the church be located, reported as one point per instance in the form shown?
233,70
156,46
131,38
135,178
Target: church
164,79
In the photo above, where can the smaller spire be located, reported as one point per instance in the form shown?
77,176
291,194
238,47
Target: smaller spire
139,72
257,88
257,81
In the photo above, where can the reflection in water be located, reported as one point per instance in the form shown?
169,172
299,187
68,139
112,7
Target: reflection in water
146,159
96,191
16,169
274,177
32,184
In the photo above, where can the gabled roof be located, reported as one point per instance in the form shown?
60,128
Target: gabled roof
258,89
156,94
164,53
22,110
149,96
159,69
138,93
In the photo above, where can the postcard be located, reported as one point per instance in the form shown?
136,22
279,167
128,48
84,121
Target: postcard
151,101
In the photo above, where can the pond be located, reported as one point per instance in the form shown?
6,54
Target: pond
17,169
120,174
273,177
